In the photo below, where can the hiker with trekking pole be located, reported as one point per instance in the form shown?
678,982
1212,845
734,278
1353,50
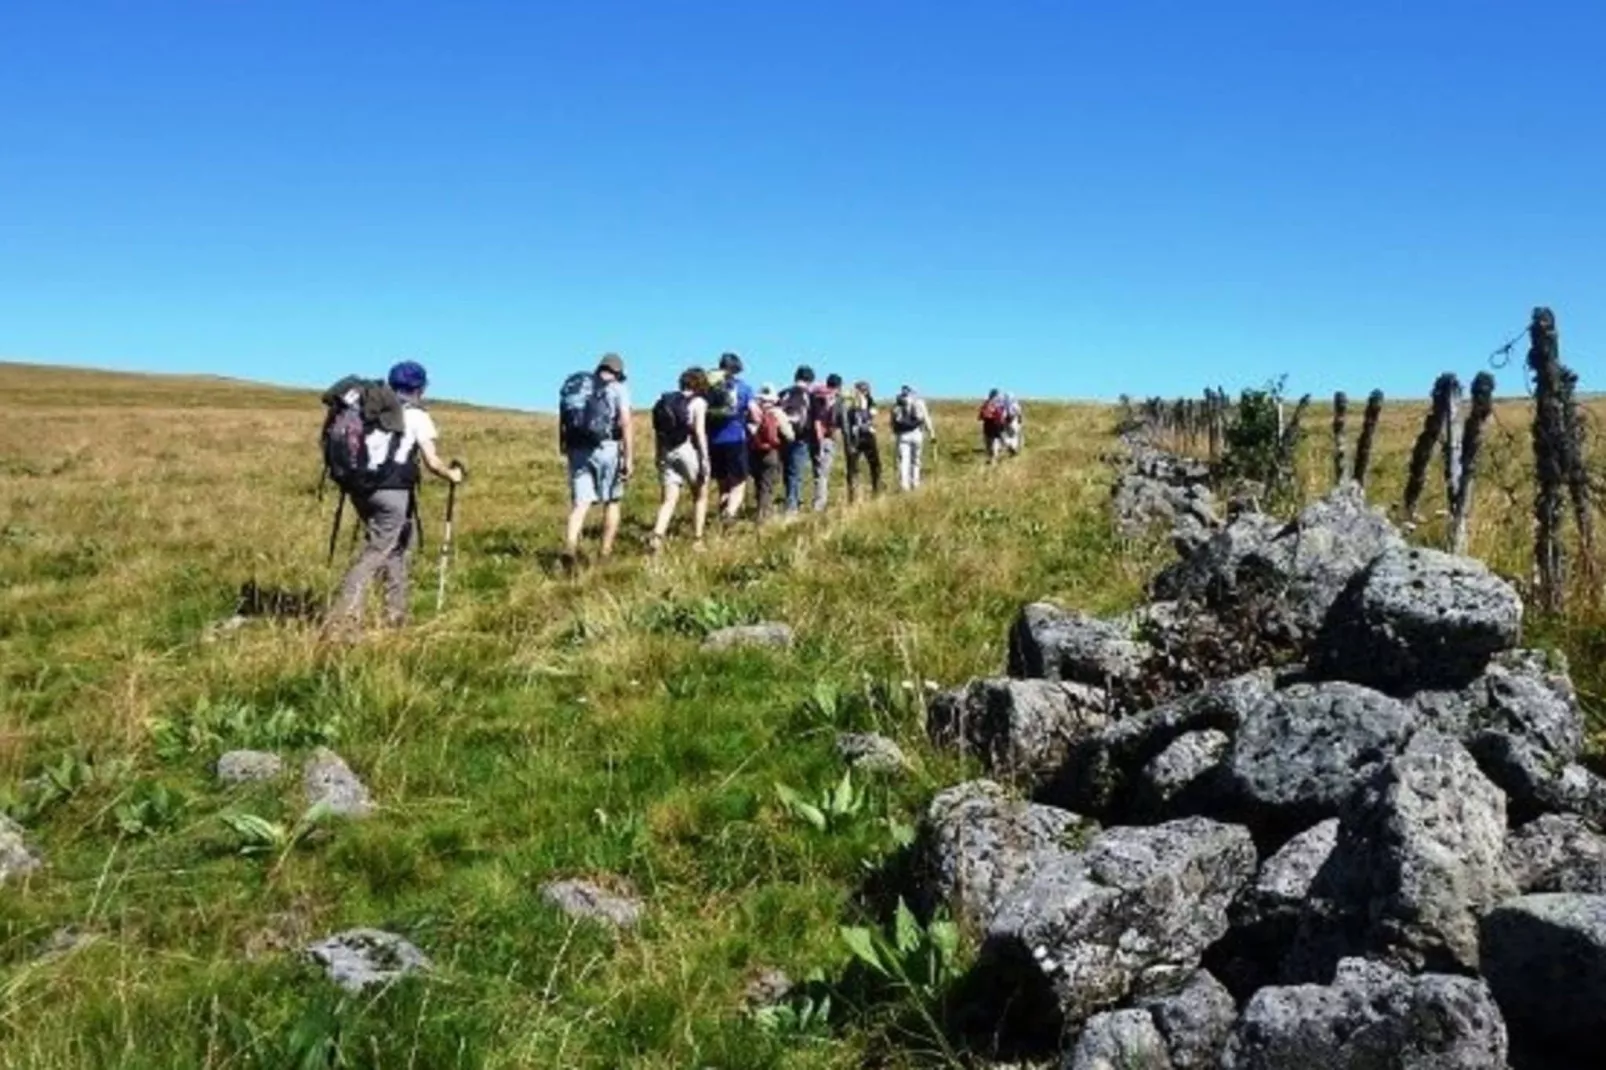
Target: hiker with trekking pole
377,440
446,540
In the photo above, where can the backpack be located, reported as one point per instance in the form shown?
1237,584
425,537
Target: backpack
995,413
823,406
906,415
671,420
767,436
585,411
723,400
354,409
795,402
860,422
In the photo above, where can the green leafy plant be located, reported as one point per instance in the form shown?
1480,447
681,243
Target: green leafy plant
805,1013
209,726
58,781
694,617
260,836
912,962
152,809
836,805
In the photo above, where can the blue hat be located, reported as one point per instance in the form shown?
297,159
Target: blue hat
409,376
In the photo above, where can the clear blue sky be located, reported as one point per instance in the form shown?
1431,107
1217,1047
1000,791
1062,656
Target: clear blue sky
1065,197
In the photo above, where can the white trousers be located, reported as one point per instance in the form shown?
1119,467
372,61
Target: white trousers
911,444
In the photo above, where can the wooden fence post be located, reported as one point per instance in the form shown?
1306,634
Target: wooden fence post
1550,455
1422,452
1340,461
1363,448
1471,441
1452,441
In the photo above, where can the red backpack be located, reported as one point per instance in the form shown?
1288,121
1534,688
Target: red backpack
994,413
767,435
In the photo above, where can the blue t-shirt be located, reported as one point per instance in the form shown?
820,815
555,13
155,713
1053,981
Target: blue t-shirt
733,430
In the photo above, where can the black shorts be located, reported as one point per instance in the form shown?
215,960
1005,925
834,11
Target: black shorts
728,462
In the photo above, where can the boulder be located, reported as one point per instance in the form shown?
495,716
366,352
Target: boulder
1186,778
15,858
1106,774
585,900
767,987
1195,1020
870,752
1544,957
1048,643
359,958
1420,857
1300,752
771,635
1130,915
1417,618
248,766
977,843
330,783
1371,1018
1120,1040
1017,727
1557,853
1271,911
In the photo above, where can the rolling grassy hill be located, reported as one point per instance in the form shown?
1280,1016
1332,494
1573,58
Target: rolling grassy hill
540,727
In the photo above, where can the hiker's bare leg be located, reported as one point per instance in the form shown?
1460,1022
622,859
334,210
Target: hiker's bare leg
610,527
733,498
699,510
666,510
576,527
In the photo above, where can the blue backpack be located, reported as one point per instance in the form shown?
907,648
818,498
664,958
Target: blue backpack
586,412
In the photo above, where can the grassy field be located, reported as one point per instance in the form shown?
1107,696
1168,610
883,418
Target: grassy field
540,727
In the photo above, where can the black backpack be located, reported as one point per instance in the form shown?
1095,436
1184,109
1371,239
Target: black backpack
671,420
795,403
354,409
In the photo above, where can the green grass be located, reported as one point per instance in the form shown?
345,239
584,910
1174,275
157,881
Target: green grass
539,728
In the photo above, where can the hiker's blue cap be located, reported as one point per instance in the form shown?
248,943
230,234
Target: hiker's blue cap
408,375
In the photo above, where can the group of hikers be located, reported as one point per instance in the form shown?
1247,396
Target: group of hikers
713,434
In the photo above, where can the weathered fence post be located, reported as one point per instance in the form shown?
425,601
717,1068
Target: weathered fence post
1550,455
1577,467
1422,452
1340,461
1471,441
1452,442
1288,435
1363,448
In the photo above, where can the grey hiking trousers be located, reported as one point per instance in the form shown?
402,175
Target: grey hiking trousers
387,524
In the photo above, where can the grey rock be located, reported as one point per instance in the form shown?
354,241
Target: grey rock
1131,915
870,752
977,843
1019,728
1285,881
766,988
1120,1040
1557,853
248,766
1186,776
15,858
1300,752
1544,957
1421,856
587,901
1103,773
1371,1019
1196,1021
1417,618
771,635
1270,913
329,782
1303,565
1047,643
359,958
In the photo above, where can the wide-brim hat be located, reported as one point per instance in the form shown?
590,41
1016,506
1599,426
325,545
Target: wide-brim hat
612,362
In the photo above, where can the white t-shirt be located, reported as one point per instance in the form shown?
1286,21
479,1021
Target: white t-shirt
418,426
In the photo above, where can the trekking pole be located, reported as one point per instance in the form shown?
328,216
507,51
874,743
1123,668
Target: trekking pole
334,530
446,541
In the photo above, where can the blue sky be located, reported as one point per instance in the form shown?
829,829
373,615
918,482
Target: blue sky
1062,197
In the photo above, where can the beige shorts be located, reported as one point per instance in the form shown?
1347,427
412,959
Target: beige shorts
680,467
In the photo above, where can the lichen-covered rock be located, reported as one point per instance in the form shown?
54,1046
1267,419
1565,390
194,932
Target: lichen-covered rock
1130,915
1557,853
870,752
771,635
248,766
1544,957
1047,643
1300,752
1371,1018
1104,773
1417,618
977,843
1120,1040
1017,727
589,901
766,988
330,783
359,958
1187,777
1270,912
1195,1021
15,858
1420,857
